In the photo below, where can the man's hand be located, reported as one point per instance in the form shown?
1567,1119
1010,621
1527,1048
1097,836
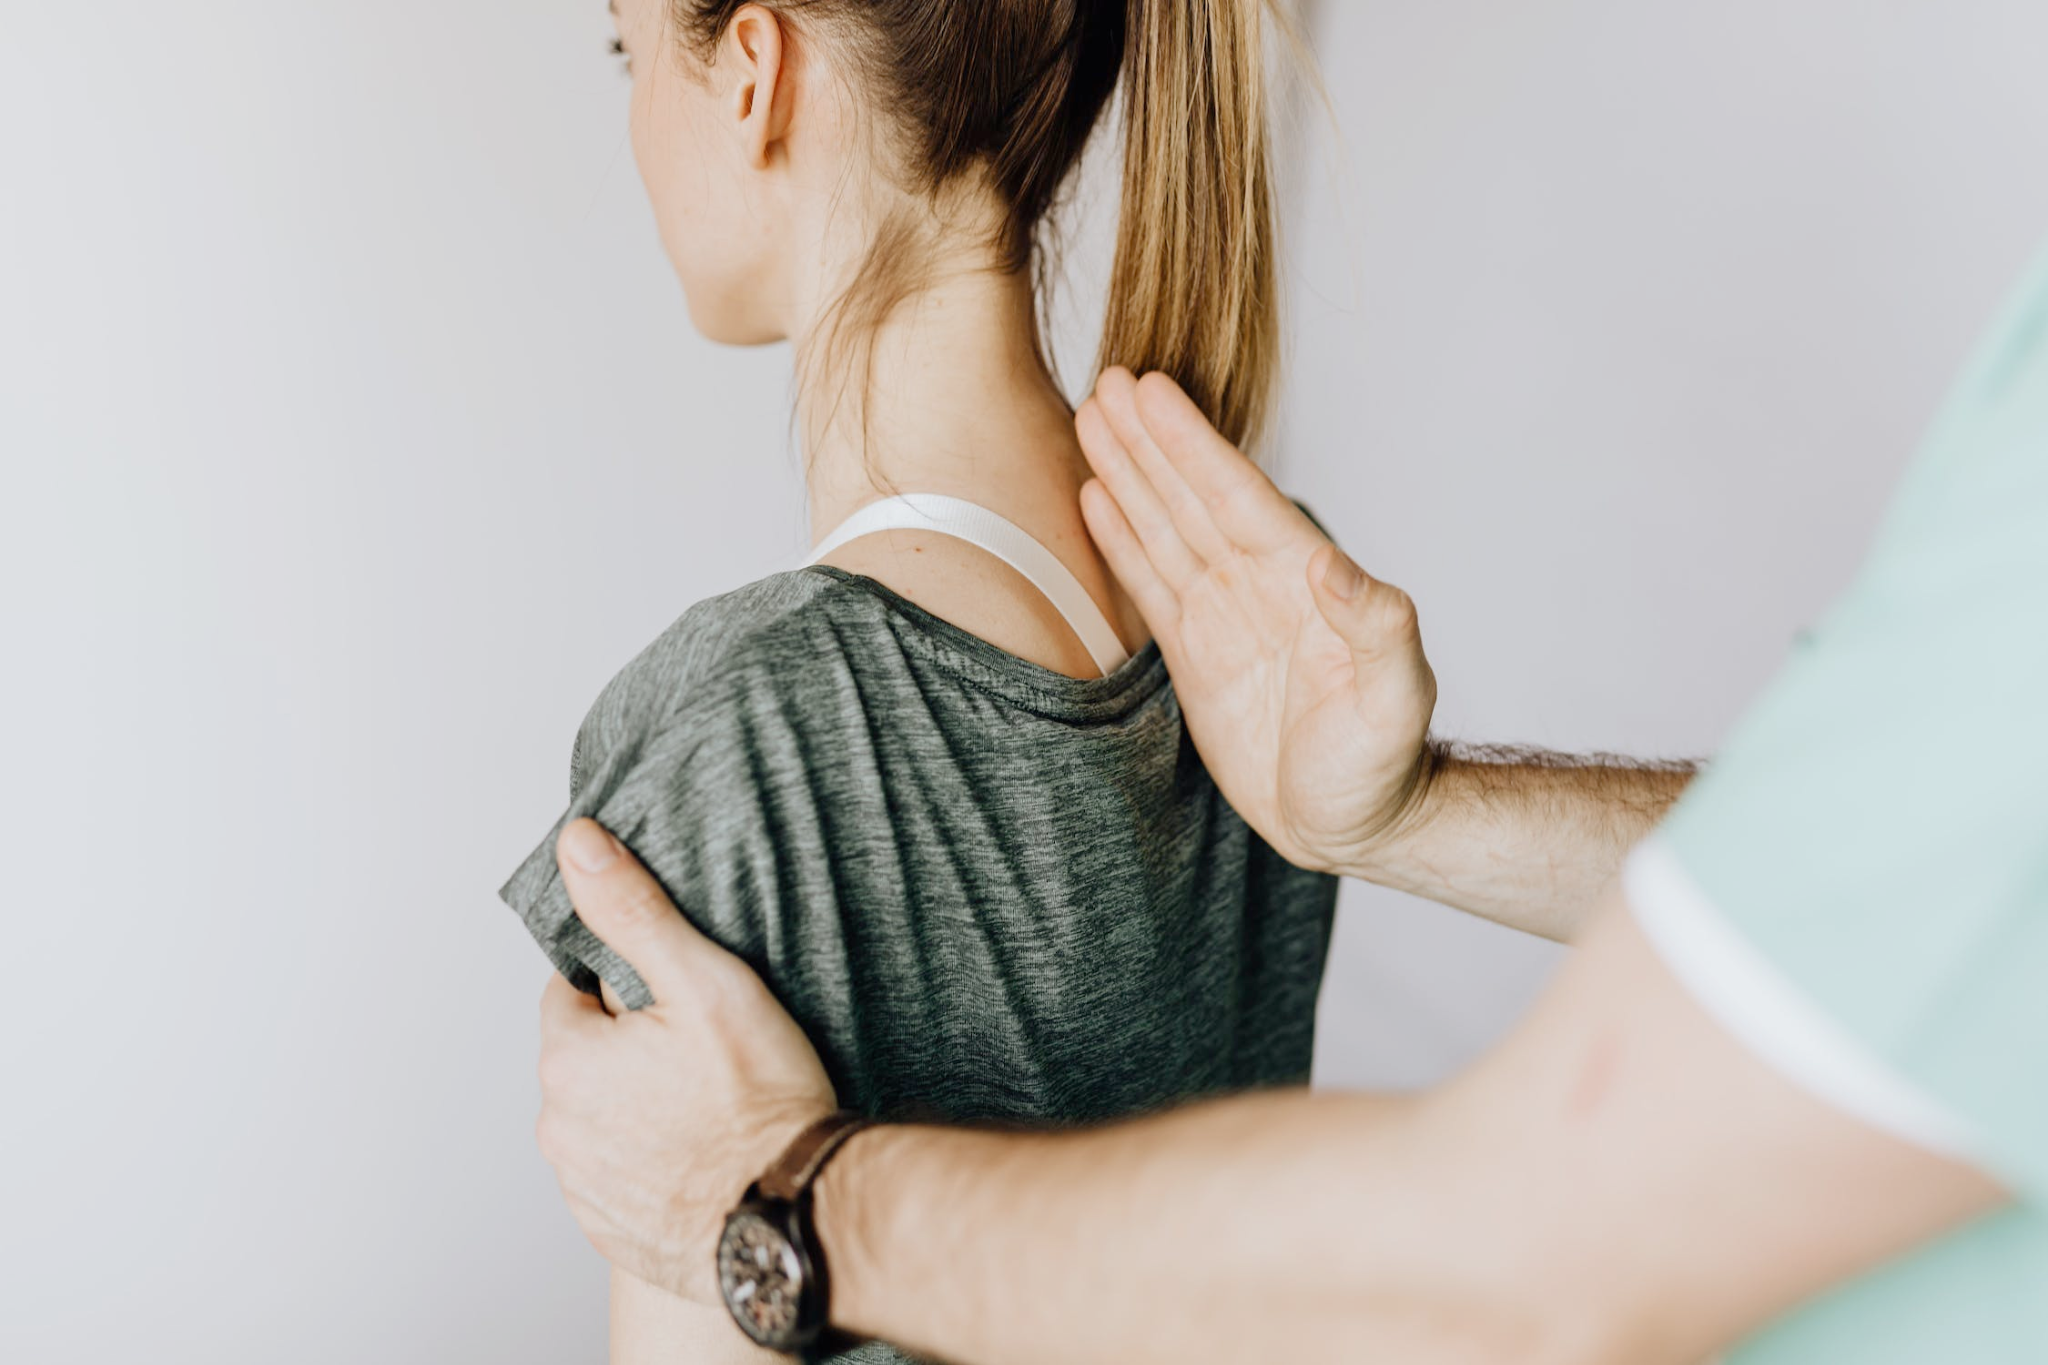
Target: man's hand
657,1120
1302,679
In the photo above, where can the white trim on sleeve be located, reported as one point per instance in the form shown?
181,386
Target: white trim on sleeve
1748,995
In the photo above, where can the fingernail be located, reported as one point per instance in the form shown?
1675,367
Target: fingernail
588,846
1343,578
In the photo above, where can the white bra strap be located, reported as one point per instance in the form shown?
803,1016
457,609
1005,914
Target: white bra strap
1005,540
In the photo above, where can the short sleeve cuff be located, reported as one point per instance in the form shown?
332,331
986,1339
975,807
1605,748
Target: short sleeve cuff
1766,1011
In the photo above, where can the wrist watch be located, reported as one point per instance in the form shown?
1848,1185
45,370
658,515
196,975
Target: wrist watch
771,1269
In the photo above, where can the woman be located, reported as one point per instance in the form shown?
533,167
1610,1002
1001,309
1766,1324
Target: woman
922,784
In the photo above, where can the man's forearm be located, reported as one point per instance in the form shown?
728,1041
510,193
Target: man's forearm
1524,837
1620,1181
1214,1234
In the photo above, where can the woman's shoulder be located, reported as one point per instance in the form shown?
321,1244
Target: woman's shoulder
746,630
770,641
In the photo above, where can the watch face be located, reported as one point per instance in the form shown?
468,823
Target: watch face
762,1279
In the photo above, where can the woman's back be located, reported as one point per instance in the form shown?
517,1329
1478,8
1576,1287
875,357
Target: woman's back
987,890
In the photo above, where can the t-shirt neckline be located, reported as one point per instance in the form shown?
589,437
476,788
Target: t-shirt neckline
1032,686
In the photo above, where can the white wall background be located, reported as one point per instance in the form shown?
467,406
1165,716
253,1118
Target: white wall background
353,433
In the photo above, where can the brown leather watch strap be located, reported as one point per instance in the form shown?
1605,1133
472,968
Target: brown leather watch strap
807,1153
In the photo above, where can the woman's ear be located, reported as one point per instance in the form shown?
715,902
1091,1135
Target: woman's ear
763,95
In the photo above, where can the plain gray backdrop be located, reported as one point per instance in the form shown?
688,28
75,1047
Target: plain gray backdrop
338,364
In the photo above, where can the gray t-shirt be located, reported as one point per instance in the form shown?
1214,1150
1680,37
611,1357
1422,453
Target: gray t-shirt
986,890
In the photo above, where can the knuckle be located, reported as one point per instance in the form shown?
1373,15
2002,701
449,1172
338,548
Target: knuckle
641,902
1396,608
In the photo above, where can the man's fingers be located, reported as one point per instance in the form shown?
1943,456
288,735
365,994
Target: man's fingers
621,903
1244,504
1116,391
1142,510
1119,545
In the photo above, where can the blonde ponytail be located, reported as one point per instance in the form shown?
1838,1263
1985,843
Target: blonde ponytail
1010,90
1193,291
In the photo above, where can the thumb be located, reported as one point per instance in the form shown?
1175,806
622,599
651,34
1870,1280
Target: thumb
622,903
1374,618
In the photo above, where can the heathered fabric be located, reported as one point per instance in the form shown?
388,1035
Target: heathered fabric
986,890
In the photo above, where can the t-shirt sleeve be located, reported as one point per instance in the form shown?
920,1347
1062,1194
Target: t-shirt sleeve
1858,887
691,797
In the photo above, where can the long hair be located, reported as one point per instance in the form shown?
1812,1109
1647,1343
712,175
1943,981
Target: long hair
1010,91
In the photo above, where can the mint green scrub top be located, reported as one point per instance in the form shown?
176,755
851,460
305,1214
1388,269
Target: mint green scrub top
1858,887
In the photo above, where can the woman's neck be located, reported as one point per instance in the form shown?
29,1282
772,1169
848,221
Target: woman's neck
947,396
